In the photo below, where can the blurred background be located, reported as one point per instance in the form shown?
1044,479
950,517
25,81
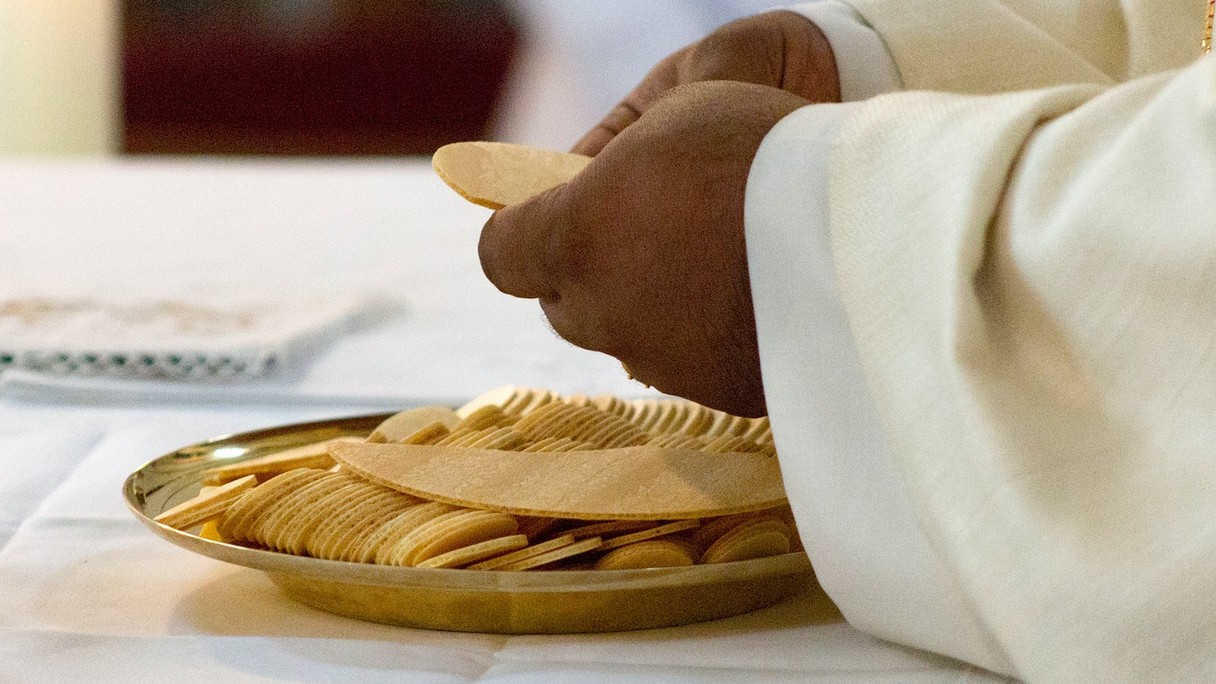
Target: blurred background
325,77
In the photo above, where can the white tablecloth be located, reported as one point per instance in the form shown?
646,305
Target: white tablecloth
88,594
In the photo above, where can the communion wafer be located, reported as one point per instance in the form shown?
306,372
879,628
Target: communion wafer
298,534
449,532
653,553
661,530
315,455
536,528
494,174
291,517
338,517
350,546
472,553
342,540
562,553
491,498
711,530
530,401
489,415
548,420
206,505
405,423
404,550
502,438
764,536
698,421
604,529
639,482
524,553
281,517
499,396
235,522
427,434
378,547
457,437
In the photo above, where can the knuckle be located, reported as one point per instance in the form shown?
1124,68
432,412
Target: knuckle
490,253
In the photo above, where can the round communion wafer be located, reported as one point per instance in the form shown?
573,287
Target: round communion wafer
234,524
333,541
610,403
405,423
209,504
499,396
483,436
613,431
384,539
671,418
730,443
711,530
562,553
457,437
698,421
271,529
678,441
448,532
286,520
540,445
379,544
489,415
427,434
338,516
494,174
759,538
315,455
349,546
458,558
502,438
529,401
562,444
639,482
653,553
661,530
759,431
546,420
611,527
524,553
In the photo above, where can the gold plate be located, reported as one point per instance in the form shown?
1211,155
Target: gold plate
529,602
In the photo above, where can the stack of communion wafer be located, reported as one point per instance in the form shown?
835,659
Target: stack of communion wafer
515,480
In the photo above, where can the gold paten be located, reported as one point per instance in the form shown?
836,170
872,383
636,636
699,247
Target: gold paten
528,602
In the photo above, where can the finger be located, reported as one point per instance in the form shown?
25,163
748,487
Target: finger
621,116
517,245
660,79
782,49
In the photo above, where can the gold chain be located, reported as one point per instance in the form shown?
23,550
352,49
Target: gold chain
1207,27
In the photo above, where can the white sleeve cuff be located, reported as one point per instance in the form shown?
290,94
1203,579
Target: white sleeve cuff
863,62
855,519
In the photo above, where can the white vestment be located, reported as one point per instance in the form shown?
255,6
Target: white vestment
986,308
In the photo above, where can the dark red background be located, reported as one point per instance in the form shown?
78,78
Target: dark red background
373,78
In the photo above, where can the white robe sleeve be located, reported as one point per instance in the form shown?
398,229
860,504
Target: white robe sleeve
1013,465
854,518
992,46
863,63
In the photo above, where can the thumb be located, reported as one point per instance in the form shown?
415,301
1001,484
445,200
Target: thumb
519,242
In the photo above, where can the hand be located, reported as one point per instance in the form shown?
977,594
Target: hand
642,255
781,49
